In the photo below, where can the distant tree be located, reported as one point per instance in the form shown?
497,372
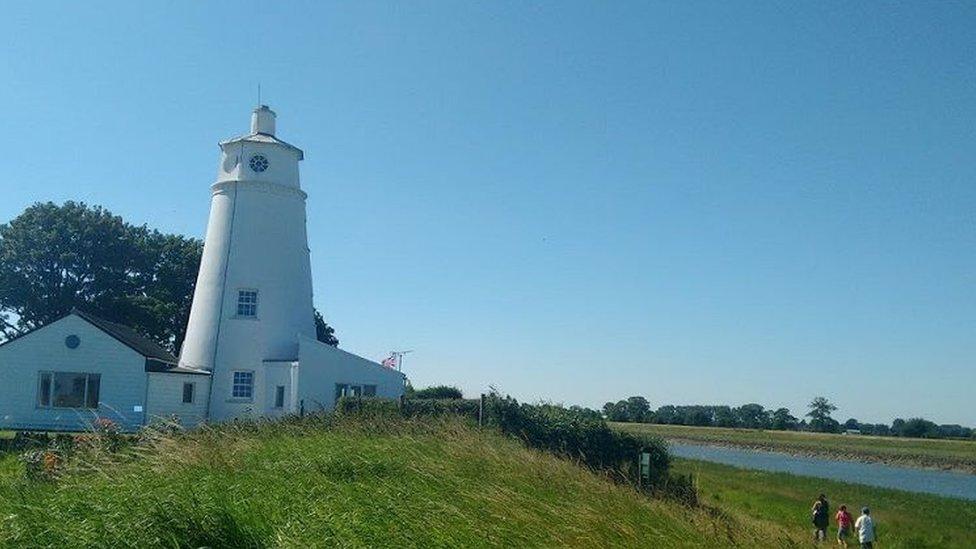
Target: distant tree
819,414
955,431
852,424
917,427
724,417
637,408
586,413
878,429
752,416
701,416
324,332
667,415
783,420
439,392
616,411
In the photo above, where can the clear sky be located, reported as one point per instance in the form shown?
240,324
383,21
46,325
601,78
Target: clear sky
696,202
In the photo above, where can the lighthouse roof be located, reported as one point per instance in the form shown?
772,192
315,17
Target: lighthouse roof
264,138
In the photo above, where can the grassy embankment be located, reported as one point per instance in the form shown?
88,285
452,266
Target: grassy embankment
411,483
929,453
904,519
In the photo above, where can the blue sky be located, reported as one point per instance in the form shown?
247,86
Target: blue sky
698,202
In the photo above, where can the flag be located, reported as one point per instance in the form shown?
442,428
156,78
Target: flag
391,361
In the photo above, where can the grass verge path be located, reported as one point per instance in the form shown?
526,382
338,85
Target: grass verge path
926,453
905,519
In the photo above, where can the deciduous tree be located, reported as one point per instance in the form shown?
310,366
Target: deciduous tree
54,258
819,414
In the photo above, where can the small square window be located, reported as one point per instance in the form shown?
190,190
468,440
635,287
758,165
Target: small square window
243,386
187,393
247,303
369,390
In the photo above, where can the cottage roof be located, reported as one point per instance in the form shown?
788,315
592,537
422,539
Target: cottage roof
134,340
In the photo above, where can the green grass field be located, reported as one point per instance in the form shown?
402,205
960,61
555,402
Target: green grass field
940,454
904,519
411,484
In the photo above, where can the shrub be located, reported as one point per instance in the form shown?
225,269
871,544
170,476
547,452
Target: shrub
578,436
570,433
439,392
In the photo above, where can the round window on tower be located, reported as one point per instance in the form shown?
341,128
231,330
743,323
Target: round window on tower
258,163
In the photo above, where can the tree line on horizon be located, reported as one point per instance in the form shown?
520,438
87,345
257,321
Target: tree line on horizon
637,409
55,258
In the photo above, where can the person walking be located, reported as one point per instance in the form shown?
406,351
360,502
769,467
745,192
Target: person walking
845,523
865,529
821,516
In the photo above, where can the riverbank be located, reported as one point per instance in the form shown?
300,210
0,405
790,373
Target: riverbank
955,455
781,500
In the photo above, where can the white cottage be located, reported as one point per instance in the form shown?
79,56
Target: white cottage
67,374
250,348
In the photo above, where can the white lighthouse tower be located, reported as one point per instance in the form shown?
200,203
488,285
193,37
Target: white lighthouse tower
253,298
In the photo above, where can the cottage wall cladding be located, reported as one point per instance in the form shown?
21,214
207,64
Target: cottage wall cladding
165,398
122,385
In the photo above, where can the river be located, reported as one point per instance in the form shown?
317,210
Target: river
941,483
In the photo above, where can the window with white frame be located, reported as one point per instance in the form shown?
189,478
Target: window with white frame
68,390
243,386
279,396
247,303
346,389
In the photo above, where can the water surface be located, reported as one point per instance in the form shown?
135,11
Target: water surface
941,483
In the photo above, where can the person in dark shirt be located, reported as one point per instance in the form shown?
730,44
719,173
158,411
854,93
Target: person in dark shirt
821,517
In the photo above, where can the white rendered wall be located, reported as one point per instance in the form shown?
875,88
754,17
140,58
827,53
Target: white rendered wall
122,384
283,374
164,399
321,366
256,239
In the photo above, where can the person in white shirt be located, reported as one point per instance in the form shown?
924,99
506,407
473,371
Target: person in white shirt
865,529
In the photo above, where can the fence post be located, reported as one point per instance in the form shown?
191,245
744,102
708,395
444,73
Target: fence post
481,411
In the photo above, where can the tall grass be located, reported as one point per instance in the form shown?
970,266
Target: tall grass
325,482
586,439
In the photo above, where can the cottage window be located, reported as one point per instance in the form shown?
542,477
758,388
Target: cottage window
188,393
68,390
344,389
247,303
279,396
243,386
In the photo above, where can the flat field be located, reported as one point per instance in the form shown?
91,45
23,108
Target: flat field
929,453
782,500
